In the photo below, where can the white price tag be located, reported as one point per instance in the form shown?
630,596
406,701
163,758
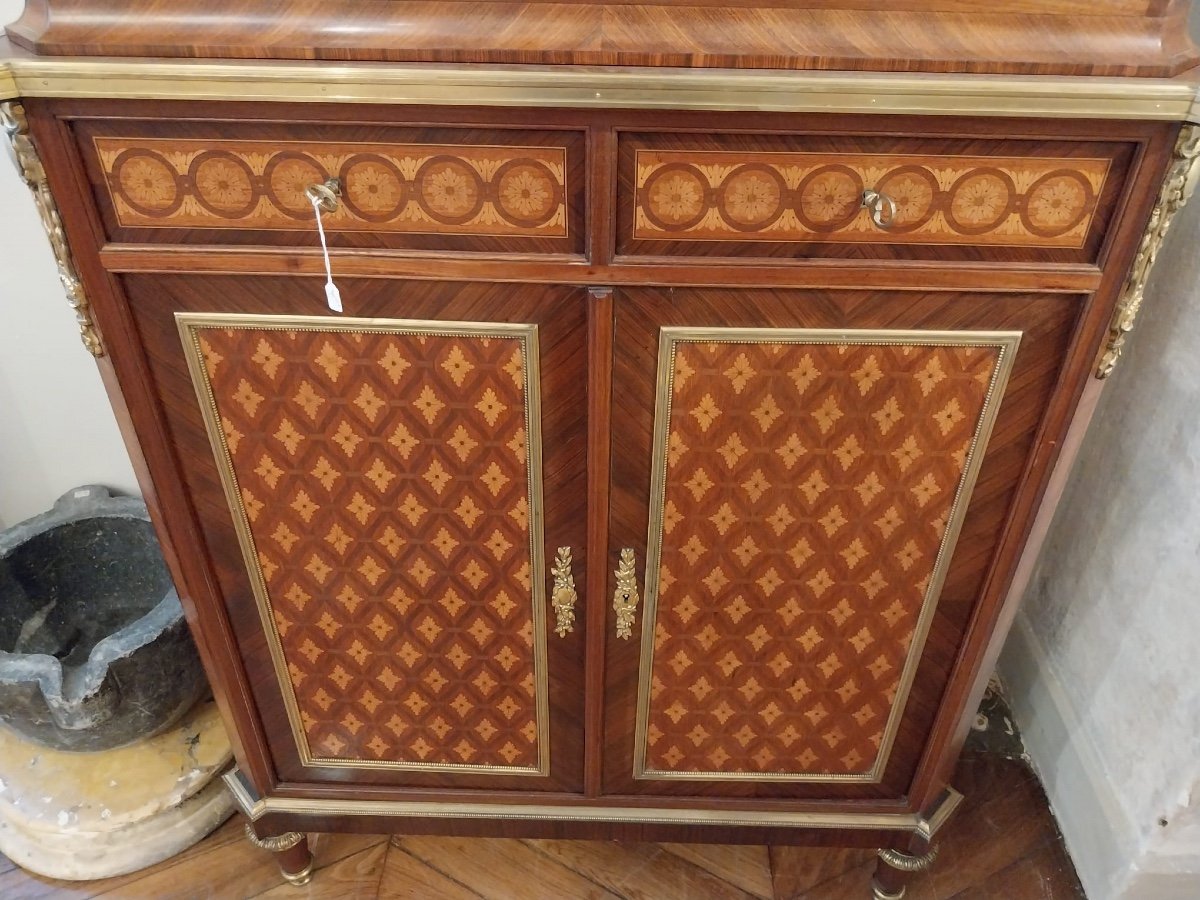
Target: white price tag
334,296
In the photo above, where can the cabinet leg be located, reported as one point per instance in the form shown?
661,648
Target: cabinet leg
893,871
292,853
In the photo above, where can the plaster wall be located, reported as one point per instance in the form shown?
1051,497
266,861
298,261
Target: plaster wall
57,430
1101,663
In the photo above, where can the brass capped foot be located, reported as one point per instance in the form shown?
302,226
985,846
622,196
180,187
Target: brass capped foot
295,860
301,878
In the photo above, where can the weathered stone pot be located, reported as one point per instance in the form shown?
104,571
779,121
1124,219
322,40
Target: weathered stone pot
94,650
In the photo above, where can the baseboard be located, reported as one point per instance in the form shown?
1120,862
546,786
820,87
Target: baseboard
1159,886
1100,838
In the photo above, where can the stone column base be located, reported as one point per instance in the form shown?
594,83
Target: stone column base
82,816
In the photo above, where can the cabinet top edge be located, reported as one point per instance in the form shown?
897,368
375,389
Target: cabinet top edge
1160,99
1143,38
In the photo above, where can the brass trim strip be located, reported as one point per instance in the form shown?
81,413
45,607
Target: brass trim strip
190,324
602,87
8,82
255,808
932,820
1005,341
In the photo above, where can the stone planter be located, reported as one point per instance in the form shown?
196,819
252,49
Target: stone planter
94,650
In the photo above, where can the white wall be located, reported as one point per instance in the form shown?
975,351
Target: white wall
1102,663
56,428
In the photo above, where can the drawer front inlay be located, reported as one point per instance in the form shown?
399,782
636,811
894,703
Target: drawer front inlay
385,483
696,195
808,489
500,191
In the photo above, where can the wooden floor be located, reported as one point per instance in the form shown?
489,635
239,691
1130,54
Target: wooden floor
1001,845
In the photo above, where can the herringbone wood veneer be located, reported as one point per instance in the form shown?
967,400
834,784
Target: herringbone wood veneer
1001,845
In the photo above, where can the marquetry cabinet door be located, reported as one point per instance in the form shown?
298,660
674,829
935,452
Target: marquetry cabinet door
808,492
381,496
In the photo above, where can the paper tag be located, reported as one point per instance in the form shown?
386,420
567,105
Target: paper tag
334,296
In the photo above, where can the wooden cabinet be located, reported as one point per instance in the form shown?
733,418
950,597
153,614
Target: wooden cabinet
669,472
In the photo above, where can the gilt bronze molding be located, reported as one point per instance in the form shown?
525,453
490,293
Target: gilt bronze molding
905,862
1178,186
564,595
897,93
625,598
275,844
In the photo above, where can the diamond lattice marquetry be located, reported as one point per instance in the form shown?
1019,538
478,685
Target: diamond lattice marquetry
385,485
808,490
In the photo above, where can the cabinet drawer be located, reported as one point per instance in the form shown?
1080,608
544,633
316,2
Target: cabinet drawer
426,188
803,196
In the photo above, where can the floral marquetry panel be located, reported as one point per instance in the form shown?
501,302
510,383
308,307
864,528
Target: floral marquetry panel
496,191
384,479
808,488
1019,201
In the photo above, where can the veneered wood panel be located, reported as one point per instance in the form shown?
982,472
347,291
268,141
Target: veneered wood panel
429,629
1046,324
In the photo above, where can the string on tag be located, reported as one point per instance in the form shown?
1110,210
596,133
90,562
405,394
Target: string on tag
332,295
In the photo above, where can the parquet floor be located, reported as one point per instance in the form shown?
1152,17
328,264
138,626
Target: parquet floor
1001,845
